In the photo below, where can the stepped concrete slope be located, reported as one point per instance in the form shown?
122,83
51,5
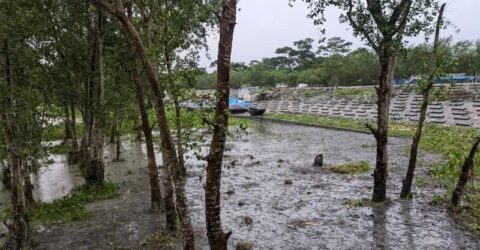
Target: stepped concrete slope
450,105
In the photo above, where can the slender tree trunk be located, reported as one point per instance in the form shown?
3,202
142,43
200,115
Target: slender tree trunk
113,128
407,182
6,173
96,168
156,196
119,143
168,149
73,127
216,237
180,170
67,123
384,91
454,205
29,200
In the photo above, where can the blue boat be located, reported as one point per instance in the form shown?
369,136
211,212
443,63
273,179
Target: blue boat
237,106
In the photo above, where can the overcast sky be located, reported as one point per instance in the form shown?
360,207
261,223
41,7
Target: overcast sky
265,25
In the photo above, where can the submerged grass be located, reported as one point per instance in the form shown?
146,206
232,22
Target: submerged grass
72,207
68,208
451,142
351,168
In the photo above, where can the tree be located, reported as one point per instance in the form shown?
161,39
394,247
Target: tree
299,57
169,153
335,45
216,237
465,174
426,87
383,25
22,46
155,193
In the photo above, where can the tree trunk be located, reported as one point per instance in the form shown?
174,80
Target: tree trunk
407,182
156,196
68,134
454,205
180,170
29,200
384,91
168,149
73,127
6,173
216,237
113,128
19,227
119,142
96,170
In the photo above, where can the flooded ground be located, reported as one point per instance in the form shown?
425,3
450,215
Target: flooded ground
268,180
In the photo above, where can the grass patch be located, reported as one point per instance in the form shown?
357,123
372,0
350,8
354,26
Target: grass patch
72,207
351,203
396,129
68,208
351,168
62,148
349,92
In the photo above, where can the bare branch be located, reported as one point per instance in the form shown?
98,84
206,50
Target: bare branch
436,47
372,129
209,123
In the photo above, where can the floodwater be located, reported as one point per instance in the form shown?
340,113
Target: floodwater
309,213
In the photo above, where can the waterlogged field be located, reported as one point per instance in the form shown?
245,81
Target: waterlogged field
272,196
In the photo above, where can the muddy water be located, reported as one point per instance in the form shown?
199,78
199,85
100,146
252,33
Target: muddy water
308,214
311,213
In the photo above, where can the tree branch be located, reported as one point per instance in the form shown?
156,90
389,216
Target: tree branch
398,11
375,9
372,129
403,19
108,7
358,27
209,123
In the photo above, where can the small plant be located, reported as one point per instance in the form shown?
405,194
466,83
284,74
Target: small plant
437,200
351,203
351,168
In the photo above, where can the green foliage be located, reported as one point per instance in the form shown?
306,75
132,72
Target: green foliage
59,211
437,200
72,207
351,168
68,208
62,148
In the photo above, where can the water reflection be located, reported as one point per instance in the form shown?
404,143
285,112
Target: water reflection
380,233
56,180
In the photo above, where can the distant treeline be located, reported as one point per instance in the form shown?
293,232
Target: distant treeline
334,63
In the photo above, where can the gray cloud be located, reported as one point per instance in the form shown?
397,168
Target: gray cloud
264,25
